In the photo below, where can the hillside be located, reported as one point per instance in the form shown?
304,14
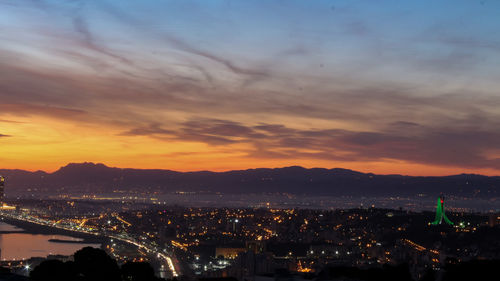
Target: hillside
98,178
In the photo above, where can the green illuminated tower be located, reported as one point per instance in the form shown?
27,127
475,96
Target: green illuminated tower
440,215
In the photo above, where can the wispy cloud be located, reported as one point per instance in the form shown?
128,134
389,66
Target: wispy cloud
30,109
426,145
333,86
10,121
88,41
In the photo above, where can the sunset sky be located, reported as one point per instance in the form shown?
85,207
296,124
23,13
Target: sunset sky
410,87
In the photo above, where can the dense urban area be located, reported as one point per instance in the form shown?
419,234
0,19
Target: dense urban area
250,243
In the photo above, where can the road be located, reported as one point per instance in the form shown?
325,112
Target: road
159,253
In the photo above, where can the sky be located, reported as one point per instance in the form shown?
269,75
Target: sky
406,87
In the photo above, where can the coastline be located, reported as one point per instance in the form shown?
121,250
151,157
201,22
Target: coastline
33,228
66,241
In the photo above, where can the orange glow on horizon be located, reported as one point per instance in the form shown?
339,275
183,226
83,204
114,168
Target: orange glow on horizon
128,89
48,144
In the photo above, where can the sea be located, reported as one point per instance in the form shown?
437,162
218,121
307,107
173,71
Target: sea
17,244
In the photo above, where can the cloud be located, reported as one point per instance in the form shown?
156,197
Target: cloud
454,129
431,145
251,74
4,136
162,85
10,121
209,131
184,46
151,129
470,43
21,109
88,41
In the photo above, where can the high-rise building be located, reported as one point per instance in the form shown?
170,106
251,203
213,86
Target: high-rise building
2,186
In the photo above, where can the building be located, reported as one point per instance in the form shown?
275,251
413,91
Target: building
2,186
228,252
258,247
494,219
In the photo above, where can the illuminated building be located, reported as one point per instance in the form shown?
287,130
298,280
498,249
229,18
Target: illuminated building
440,215
228,253
258,247
234,225
494,219
2,186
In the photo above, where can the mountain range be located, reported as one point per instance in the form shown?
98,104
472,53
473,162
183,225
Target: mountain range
91,178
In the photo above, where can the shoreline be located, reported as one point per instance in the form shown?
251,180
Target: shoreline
63,241
33,228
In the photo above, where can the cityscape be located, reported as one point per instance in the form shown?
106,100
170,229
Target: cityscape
228,140
256,242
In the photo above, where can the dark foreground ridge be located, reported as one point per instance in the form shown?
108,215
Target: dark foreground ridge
98,178
91,264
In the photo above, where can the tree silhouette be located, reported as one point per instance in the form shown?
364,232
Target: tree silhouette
55,270
484,270
92,264
95,265
138,271
386,273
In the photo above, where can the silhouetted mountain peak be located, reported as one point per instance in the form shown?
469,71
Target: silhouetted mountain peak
83,166
92,178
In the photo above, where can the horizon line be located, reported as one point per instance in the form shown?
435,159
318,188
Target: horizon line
247,169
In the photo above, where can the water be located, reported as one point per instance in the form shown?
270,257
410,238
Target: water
415,203
19,246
